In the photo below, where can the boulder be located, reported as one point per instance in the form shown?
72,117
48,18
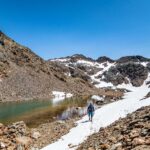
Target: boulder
138,141
116,146
1,125
2,145
26,141
104,146
36,135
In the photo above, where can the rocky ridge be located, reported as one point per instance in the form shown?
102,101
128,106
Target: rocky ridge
136,58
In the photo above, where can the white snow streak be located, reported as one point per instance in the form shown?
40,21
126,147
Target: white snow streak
59,96
97,98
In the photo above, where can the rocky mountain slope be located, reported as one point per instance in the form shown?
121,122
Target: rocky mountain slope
24,75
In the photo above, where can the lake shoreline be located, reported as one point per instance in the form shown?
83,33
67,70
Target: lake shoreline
26,100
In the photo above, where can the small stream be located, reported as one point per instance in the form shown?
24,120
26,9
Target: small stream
36,112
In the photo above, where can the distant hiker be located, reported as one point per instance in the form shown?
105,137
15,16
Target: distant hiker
90,111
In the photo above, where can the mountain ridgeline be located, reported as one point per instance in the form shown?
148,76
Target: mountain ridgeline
24,75
129,70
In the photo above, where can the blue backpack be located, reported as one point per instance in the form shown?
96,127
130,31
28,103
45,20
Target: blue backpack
90,108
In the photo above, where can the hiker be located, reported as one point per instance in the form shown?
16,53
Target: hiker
90,111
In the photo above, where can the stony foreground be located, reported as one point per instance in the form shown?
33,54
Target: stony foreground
132,132
18,136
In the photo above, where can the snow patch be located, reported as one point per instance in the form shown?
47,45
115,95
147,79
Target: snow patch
97,98
67,74
59,96
61,59
144,64
104,84
85,62
105,67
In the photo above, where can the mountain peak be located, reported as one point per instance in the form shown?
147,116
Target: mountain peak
79,55
104,59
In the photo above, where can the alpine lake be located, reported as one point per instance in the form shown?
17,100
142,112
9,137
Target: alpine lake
36,112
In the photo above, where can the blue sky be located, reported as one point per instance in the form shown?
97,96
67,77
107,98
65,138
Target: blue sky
57,28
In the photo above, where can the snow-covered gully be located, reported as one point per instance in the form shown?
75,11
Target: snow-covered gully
102,118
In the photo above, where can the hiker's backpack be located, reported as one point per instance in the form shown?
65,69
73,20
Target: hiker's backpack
90,108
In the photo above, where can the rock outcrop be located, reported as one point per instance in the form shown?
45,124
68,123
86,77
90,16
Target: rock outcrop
123,73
